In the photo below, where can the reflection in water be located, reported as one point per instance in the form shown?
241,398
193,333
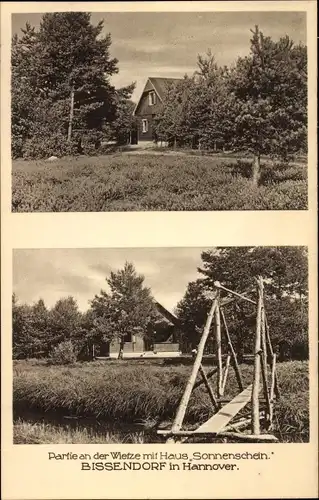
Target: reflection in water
137,432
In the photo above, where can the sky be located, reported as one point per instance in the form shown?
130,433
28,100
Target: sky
167,44
51,274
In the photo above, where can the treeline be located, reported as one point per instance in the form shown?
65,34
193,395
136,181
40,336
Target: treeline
285,274
62,99
65,334
257,106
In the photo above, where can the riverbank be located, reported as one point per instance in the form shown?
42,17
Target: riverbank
123,399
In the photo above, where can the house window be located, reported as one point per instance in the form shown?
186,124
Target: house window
151,98
127,337
144,126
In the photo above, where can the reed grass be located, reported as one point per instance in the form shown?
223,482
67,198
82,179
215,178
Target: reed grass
43,433
128,392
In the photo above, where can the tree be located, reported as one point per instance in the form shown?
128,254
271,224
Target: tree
258,106
284,270
65,323
213,104
24,94
127,309
196,109
270,87
39,329
171,123
30,329
192,311
289,327
124,120
22,340
76,65
67,66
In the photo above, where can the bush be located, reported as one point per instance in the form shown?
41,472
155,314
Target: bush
45,145
91,142
64,353
280,172
16,145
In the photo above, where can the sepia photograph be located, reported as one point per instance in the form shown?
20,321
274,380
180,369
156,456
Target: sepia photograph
160,345
159,111
159,248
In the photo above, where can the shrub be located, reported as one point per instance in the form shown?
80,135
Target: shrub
45,145
16,145
64,353
281,172
91,142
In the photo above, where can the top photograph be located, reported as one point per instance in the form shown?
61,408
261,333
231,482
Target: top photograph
159,111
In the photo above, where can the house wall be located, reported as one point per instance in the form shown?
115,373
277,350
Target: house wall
166,347
145,111
145,136
137,346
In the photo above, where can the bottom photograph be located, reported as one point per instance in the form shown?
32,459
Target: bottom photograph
156,345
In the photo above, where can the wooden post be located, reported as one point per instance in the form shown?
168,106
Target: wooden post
256,169
264,365
208,375
225,374
273,377
236,294
272,390
263,338
227,434
191,381
218,339
71,114
209,388
256,380
234,357
271,351
241,424
265,438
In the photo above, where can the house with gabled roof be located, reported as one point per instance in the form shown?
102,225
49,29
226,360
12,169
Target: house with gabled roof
150,104
162,341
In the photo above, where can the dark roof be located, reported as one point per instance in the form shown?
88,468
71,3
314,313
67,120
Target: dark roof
161,84
166,314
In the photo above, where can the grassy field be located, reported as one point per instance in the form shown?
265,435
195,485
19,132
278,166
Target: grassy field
137,394
124,182
48,433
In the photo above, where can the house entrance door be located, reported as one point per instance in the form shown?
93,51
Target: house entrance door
134,136
105,349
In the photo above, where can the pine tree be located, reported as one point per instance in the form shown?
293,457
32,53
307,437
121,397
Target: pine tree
65,322
24,94
270,111
127,309
22,340
67,66
285,272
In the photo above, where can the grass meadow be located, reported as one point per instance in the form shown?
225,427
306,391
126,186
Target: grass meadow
140,182
125,401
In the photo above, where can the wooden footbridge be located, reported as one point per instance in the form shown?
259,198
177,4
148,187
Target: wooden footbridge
227,423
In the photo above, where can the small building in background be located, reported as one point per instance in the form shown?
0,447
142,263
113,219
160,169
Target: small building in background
149,105
161,342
